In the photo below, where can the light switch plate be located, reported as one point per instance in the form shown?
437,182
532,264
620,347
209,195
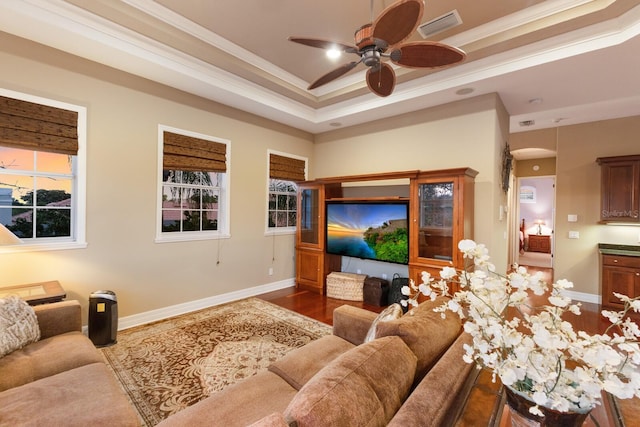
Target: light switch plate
572,218
574,234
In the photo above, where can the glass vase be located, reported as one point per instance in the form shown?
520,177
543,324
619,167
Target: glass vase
521,417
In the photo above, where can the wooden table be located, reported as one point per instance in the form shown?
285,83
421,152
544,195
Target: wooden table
36,293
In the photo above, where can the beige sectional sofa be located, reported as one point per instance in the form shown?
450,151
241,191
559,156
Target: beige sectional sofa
412,374
61,379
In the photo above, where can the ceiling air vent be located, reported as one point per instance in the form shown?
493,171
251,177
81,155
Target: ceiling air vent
439,24
525,123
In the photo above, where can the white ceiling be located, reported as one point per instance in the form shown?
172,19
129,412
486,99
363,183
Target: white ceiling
553,62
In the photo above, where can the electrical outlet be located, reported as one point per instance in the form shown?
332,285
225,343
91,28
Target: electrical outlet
270,271
358,271
384,276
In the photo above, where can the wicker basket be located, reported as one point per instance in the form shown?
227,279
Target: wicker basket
347,286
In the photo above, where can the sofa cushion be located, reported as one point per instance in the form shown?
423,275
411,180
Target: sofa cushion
18,325
47,357
299,365
85,396
240,404
363,387
426,333
274,420
439,397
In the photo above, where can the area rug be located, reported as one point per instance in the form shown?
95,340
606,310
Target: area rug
169,365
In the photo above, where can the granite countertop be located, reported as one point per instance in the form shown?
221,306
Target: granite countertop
613,249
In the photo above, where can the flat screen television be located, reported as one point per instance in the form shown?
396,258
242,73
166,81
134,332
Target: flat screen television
375,230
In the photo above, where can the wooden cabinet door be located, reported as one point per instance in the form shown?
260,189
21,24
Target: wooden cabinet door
441,215
309,270
621,280
620,192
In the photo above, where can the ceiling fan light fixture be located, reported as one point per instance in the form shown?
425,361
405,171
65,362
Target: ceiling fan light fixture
390,29
333,53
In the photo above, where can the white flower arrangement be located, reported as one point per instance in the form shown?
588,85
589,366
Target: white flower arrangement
532,349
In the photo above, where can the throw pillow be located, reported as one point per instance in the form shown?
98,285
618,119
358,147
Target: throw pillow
18,325
394,311
364,387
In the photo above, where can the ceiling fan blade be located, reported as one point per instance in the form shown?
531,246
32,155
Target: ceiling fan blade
396,23
324,44
381,80
332,75
426,55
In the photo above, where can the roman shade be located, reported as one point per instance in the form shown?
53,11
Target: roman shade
287,168
187,153
30,126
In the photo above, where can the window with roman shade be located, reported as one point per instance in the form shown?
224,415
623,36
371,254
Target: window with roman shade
284,173
41,176
37,127
287,168
188,153
194,196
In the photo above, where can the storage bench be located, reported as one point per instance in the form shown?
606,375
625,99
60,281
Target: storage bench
347,286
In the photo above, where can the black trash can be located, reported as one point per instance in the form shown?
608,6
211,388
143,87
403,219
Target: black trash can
103,318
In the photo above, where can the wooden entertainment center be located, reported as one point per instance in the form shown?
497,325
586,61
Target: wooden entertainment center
440,215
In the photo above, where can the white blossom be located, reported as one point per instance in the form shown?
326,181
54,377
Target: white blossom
530,352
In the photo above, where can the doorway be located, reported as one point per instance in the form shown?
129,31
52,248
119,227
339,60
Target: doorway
536,213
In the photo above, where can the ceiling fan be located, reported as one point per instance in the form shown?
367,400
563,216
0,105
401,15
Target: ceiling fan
383,38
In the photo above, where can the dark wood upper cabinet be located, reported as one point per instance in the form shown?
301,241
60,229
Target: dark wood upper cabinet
620,192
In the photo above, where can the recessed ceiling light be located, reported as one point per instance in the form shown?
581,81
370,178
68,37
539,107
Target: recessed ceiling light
465,91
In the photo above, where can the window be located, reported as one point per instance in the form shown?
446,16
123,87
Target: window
42,167
193,192
284,171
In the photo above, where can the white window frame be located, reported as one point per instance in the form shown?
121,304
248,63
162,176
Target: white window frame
223,231
77,240
269,231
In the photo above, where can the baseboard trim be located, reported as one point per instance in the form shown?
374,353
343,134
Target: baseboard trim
187,307
584,297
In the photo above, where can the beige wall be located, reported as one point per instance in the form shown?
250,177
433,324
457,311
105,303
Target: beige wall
123,117
545,167
578,192
468,133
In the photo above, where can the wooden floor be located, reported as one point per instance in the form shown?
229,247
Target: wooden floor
311,304
321,308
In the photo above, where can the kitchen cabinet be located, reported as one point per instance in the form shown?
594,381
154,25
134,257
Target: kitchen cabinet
620,274
620,189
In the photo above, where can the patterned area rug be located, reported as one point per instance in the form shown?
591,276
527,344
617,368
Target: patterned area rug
171,364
